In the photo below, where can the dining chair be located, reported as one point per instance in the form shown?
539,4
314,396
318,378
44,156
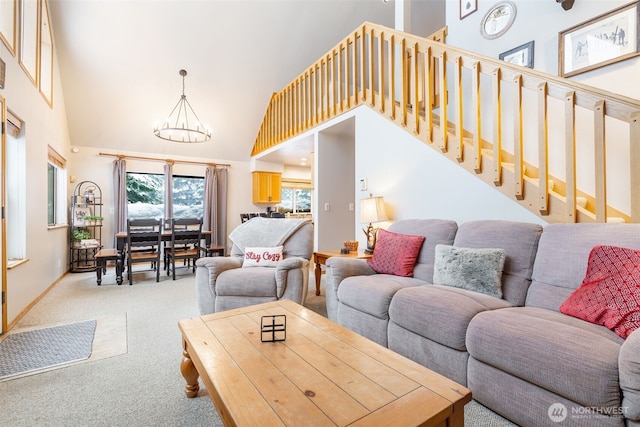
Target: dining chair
186,238
144,237
167,245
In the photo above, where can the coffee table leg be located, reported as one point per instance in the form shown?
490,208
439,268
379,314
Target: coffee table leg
190,374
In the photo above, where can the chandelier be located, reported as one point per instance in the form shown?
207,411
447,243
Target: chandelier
182,124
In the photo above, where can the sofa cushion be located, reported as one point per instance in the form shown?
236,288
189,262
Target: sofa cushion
436,231
567,356
373,294
261,283
395,253
440,313
262,256
610,292
562,257
478,270
520,242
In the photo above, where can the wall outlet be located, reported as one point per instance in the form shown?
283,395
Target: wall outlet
326,206
351,207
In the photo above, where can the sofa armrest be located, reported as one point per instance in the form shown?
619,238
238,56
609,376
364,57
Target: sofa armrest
217,264
629,367
292,279
341,268
338,269
207,271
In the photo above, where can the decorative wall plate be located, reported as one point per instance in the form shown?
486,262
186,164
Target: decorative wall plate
498,20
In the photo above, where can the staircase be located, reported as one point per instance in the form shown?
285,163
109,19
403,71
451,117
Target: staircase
566,151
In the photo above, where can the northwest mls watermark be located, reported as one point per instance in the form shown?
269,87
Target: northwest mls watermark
558,412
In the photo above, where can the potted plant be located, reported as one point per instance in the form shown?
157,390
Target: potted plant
89,220
80,234
98,219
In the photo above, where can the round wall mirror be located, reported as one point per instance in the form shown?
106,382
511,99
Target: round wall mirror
498,20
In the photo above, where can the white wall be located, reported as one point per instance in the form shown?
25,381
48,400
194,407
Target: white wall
418,182
46,248
542,20
334,186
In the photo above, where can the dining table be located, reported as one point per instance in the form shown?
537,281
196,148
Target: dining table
121,242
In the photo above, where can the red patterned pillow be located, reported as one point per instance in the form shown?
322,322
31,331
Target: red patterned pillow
610,292
395,253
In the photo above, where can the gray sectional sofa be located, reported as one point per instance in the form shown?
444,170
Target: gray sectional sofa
519,355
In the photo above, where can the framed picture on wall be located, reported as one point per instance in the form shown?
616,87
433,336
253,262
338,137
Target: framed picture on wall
521,55
467,7
603,40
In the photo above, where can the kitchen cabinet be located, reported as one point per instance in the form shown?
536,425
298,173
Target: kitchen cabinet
267,187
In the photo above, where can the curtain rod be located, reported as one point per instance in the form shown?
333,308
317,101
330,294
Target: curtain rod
124,156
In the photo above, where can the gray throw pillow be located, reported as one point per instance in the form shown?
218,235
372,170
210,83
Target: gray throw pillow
478,270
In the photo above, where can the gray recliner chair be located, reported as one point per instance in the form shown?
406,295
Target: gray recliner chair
223,284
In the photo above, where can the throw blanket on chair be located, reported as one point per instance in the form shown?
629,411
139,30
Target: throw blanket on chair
265,231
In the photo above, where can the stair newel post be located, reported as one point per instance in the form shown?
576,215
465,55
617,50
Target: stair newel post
429,86
477,108
381,73
363,65
497,128
570,155
349,71
543,147
518,165
404,69
600,152
459,110
444,116
392,75
415,92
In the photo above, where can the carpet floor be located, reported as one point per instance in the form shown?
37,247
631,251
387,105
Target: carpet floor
133,376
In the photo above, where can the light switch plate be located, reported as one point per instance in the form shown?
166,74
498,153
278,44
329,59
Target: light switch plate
363,184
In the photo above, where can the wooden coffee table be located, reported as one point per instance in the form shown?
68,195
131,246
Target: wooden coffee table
322,374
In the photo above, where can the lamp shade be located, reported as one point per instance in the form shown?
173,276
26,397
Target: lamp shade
372,210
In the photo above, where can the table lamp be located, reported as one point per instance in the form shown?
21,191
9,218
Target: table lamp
372,210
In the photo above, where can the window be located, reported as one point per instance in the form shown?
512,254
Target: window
15,170
296,197
51,194
145,196
56,189
188,197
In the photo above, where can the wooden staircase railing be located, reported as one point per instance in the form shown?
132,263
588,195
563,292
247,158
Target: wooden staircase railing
566,151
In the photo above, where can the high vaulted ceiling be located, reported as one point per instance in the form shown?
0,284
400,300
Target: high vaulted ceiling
119,62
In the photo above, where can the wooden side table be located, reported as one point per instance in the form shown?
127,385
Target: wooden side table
320,258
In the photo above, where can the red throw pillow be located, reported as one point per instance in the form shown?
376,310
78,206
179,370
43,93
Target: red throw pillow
610,292
395,253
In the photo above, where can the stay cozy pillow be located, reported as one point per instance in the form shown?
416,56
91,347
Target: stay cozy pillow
478,270
262,256
395,253
610,292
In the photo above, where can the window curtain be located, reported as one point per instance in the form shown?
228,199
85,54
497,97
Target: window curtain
120,195
168,190
215,204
